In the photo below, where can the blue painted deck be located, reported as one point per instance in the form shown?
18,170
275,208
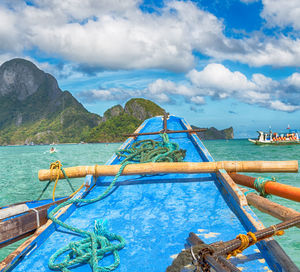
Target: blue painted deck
155,215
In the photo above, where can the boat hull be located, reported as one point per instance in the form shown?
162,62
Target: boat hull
156,213
274,142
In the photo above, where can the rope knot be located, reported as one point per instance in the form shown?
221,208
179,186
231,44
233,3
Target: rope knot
91,250
260,183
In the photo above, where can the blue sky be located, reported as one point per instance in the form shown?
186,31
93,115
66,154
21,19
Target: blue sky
217,63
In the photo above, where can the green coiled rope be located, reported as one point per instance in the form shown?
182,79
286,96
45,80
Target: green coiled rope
95,245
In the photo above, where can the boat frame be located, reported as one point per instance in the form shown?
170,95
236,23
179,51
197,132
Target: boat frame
273,253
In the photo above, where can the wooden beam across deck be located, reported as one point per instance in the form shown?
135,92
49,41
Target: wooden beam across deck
267,206
167,131
174,167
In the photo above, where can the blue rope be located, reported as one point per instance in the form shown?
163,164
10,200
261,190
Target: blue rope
259,184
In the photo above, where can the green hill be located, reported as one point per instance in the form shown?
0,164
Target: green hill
34,109
119,121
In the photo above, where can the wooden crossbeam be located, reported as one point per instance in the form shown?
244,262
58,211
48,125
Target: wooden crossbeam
165,129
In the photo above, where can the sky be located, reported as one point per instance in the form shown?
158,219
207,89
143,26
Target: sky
216,63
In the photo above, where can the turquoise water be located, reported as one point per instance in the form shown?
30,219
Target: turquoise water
20,165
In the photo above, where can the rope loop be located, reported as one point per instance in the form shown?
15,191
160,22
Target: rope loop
277,232
244,244
245,241
259,184
91,249
95,245
153,151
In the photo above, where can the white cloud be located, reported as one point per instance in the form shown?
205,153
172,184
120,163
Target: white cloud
217,81
198,100
113,94
118,35
217,77
9,33
278,105
114,34
282,13
294,80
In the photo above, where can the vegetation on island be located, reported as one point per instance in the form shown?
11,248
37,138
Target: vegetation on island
33,109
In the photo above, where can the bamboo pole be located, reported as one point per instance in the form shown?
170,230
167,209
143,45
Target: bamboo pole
274,188
267,206
177,167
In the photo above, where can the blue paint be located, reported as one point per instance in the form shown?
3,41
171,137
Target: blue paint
156,213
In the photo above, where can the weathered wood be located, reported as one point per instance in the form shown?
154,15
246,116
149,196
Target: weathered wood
16,239
19,226
267,206
13,210
165,128
274,188
167,131
5,264
177,167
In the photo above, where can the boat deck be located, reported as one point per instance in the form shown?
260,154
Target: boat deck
155,214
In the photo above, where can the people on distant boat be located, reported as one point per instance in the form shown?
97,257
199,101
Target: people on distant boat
272,137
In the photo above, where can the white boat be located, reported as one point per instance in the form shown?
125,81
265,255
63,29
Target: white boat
275,138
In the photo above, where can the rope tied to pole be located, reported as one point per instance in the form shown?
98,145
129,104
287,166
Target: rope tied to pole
57,166
259,184
250,239
95,245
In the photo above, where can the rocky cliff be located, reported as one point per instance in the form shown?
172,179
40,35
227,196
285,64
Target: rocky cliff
34,109
119,121
215,134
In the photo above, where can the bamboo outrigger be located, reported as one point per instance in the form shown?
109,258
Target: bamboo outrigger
176,167
156,212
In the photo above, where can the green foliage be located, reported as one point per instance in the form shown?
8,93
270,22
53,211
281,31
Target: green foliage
43,119
113,129
150,108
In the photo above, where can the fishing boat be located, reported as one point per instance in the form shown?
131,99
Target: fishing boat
274,138
156,212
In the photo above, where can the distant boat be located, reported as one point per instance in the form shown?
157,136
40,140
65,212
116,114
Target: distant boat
52,150
274,138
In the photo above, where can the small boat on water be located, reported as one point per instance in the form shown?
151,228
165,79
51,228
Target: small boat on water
52,150
155,213
274,138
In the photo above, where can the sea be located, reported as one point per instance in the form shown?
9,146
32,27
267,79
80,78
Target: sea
20,165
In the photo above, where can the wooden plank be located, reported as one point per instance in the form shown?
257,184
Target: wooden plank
165,117
22,224
16,239
167,131
18,226
267,206
13,210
